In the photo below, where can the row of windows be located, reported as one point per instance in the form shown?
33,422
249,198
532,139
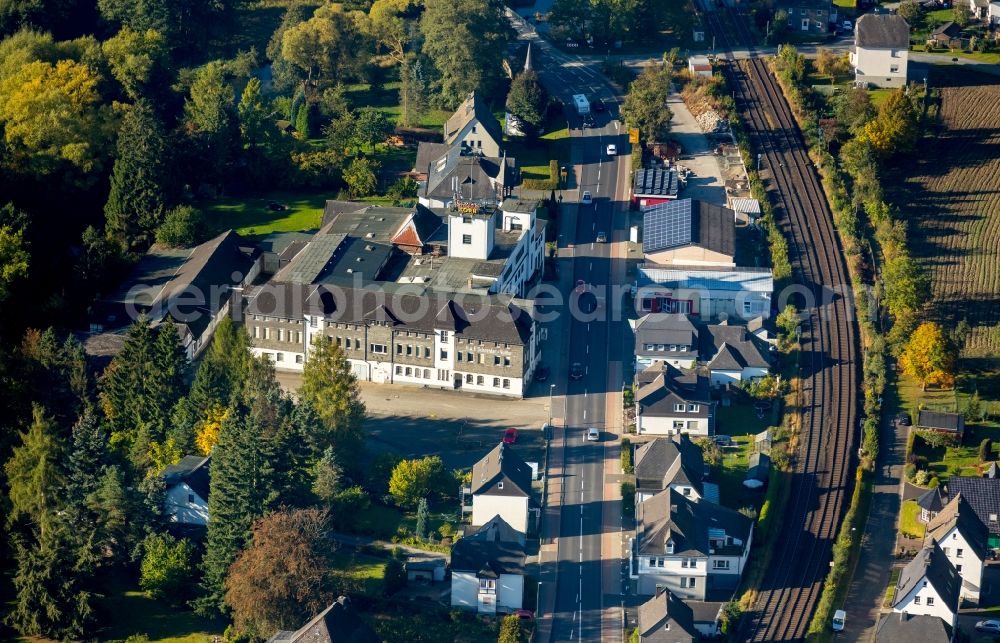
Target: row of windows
280,357
282,335
930,601
265,318
691,425
689,408
481,381
483,359
673,348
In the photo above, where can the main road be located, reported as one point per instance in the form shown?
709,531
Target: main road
586,588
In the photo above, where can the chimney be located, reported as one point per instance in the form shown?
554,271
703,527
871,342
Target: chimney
673,509
660,590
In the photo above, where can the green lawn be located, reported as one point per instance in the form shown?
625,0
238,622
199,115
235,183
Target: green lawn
879,96
135,613
845,4
991,57
250,216
386,99
733,472
533,156
740,419
365,573
890,591
908,520
379,521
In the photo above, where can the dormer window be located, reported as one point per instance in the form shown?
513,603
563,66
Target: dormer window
670,547
500,485
679,408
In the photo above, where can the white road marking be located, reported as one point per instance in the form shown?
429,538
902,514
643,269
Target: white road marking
584,414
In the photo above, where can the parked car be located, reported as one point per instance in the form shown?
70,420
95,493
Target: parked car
576,371
599,106
510,435
593,435
724,441
587,198
274,206
524,615
989,625
839,618
588,121
903,419
602,237
612,149
581,286
542,374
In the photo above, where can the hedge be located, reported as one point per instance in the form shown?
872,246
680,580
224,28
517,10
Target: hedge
626,456
551,183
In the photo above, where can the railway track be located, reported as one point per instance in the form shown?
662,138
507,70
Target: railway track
830,379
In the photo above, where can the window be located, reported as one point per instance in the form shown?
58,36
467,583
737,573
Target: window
427,373
747,308
683,349
958,568
893,69
720,564
916,600
805,24
458,356
958,552
466,219
409,371
673,348
670,546
468,357
267,333
399,349
256,332
930,601
652,562
496,382
661,347
693,408
467,239
692,425
279,357
468,378
496,360
479,380
444,354
399,369
678,424
487,586
190,498
688,563
506,361
500,485
443,335
379,349
312,322
506,383
298,359
281,334
679,408
473,129
687,492
659,562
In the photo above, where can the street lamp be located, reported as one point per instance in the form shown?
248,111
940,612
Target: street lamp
552,387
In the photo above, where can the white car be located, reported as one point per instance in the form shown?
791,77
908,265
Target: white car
593,435
839,619
602,237
587,198
988,626
612,149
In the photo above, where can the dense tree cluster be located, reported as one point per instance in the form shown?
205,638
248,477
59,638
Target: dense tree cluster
645,106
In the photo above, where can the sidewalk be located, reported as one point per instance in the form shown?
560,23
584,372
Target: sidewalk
871,574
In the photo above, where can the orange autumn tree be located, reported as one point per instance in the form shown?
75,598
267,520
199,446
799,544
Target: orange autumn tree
207,431
929,356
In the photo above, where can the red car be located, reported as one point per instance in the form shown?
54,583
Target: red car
581,286
524,615
510,436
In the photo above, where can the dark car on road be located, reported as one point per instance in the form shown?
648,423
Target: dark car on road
576,371
599,106
903,419
542,374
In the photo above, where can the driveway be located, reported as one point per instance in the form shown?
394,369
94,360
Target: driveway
706,183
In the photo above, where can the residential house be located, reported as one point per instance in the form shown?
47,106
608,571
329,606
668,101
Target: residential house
670,401
336,624
706,293
993,14
983,495
931,502
501,486
667,619
895,627
455,178
689,232
963,539
487,569
672,463
474,129
693,549
813,16
948,35
700,66
928,585
187,485
733,354
193,286
951,424
979,9
665,337
881,50
652,186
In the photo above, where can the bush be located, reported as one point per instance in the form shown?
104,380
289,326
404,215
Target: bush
921,478
628,498
182,226
985,450
550,183
361,177
404,188
626,456
395,575
167,568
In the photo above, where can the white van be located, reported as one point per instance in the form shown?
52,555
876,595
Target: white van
839,618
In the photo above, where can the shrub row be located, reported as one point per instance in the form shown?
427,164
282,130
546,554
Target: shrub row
550,183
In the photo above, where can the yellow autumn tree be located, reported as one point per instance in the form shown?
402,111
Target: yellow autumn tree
207,432
928,356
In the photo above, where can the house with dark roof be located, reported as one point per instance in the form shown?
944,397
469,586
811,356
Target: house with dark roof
415,235
455,178
930,502
911,628
487,569
501,486
733,354
665,337
672,463
666,619
881,50
696,550
187,485
983,495
338,623
193,286
952,424
808,16
689,232
474,129
671,401
947,35
928,585
655,185
964,540
708,293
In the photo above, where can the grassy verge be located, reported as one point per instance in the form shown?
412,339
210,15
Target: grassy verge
909,522
890,591
135,613
251,216
363,573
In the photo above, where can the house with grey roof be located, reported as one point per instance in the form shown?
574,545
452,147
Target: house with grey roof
983,495
696,550
474,129
670,401
919,628
951,424
487,569
665,337
929,585
733,354
689,232
707,293
193,286
187,484
808,16
338,623
667,619
455,178
501,486
881,50
930,502
672,463
964,540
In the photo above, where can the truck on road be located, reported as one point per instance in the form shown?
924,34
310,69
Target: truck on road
581,104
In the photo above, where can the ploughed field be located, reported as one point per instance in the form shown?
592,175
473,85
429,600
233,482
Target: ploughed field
952,197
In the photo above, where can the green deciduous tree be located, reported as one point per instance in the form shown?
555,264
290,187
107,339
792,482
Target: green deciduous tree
510,629
415,479
372,127
645,106
528,100
327,475
137,59
332,390
465,41
361,177
391,23
139,179
183,226
167,567
284,577
330,44
210,123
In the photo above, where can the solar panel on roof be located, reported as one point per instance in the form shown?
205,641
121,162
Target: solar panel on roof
666,225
